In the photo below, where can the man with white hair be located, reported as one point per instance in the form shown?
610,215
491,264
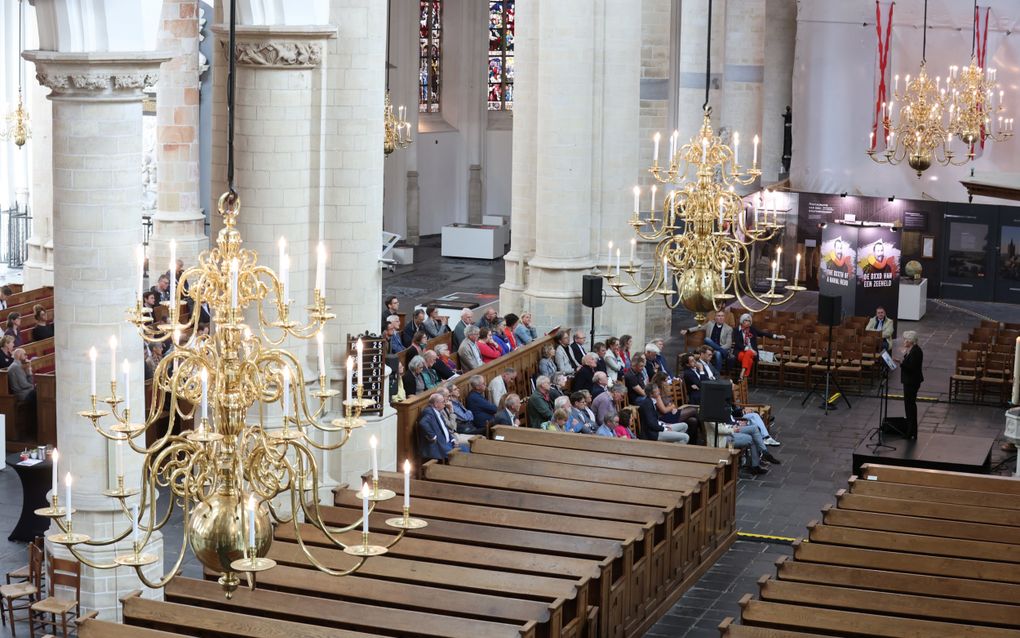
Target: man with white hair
600,385
540,405
467,318
584,378
911,377
576,351
469,355
498,386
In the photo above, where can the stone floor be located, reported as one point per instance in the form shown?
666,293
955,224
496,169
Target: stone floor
816,450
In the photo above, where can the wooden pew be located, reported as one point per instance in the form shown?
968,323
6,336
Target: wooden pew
340,615
937,478
910,507
25,309
887,489
728,630
915,525
214,623
29,296
93,628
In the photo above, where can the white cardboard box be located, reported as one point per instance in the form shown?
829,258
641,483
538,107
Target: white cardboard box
913,300
473,241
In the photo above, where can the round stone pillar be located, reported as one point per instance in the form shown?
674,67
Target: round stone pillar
97,149
38,267
744,72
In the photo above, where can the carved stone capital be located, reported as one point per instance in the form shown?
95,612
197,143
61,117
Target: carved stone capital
278,46
97,76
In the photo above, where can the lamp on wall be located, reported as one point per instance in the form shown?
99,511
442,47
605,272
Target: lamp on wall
17,126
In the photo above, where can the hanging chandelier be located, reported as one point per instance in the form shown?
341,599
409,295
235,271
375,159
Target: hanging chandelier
17,128
921,134
977,112
705,237
225,472
397,128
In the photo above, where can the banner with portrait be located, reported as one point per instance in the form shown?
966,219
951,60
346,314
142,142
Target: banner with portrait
878,270
837,269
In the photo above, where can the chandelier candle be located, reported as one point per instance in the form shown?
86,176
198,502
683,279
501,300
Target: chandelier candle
350,378
251,523
609,256
286,393
407,486
364,512
120,458
320,269
67,495
56,458
633,247
617,262
127,386
361,362
173,277
234,267
655,148
779,260
134,526
374,444
113,359
321,347
754,156
92,358
637,200
652,207
796,270
736,148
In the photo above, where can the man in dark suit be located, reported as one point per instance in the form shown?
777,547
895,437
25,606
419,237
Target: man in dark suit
434,439
652,429
576,350
688,366
911,377
511,408
584,378
413,326
484,411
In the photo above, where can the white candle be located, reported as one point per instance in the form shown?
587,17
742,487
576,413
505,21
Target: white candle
754,160
637,200
140,256
673,147
134,524
655,147
736,148
321,346
173,275
779,260
320,269
204,374
617,262
56,459
285,278
120,457
633,247
756,217
235,266
113,359
871,140
127,384
775,271
665,272
286,392
251,522
364,508
722,209
407,484
609,257
374,444
350,375
796,271
361,362
896,82
92,358
1016,374
652,207
67,486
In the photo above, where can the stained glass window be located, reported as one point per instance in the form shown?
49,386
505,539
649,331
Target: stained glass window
430,41
501,55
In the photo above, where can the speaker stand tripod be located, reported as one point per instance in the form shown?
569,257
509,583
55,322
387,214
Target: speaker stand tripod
830,381
883,412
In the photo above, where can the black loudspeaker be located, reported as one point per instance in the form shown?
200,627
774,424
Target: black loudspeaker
716,400
830,310
591,291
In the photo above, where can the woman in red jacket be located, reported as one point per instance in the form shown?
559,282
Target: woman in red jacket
489,349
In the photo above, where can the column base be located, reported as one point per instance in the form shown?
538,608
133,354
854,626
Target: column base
511,291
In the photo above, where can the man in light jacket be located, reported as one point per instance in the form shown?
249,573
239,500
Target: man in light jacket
718,336
884,325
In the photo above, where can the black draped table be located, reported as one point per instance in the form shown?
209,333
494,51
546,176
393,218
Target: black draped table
35,483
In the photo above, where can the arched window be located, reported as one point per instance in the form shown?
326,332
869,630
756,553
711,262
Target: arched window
501,55
430,42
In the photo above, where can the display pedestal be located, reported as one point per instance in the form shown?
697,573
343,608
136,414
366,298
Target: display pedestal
913,299
473,241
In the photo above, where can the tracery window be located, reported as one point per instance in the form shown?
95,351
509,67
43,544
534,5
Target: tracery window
430,43
501,55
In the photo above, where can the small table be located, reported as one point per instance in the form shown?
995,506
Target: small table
35,483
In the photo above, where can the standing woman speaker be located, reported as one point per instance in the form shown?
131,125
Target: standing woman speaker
911,377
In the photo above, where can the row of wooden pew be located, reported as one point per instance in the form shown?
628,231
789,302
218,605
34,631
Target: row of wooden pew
534,534
904,552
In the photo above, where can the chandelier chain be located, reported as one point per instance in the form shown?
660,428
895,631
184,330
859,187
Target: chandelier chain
708,57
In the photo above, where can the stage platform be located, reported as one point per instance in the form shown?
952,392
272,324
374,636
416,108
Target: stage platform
953,452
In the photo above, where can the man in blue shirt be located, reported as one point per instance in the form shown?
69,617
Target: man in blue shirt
392,334
484,411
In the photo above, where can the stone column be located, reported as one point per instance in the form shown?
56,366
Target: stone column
97,149
38,270
743,72
179,215
777,92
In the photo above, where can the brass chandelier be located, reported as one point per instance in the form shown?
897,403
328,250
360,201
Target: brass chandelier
225,472
397,129
705,237
977,111
17,127
921,135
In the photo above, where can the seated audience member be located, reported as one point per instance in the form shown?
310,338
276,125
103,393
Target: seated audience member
704,361
621,424
43,329
462,418
153,355
600,385
559,385
14,328
614,364
563,363
604,405
587,407
434,324
150,300
718,336
432,378
392,335
540,404
498,338
499,386
510,321
635,379
660,358
467,318
414,378
652,429
484,411
488,318
577,349
390,309
162,288
629,420
6,351
745,344
397,393
692,380
606,429
547,364
487,346
524,331
468,354
669,412
584,378
625,342
508,414
3,297
19,377
578,419
884,326
444,365
557,422
413,327
600,350
434,439
419,343
740,434
652,366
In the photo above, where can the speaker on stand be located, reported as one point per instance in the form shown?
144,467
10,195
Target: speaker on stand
830,313
592,297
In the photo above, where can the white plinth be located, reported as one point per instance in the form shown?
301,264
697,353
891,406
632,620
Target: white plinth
502,222
913,300
473,241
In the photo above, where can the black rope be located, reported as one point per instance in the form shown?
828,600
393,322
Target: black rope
973,31
924,36
708,58
389,13
230,99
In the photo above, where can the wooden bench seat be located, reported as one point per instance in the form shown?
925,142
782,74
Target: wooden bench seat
342,615
728,630
912,543
938,478
930,494
917,525
910,507
94,628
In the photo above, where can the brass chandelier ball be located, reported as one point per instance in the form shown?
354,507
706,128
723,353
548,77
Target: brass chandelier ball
218,531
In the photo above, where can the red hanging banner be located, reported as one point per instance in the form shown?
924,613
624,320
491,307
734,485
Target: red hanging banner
883,62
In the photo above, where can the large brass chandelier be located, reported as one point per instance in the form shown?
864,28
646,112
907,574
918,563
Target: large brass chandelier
977,112
397,132
16,127
921,134
224,473
704,235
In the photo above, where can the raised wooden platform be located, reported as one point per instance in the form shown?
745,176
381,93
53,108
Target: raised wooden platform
949,452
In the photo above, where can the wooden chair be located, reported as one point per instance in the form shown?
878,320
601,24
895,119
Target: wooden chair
797,367
64,573
965,379
770,371
850,369
995,378
29,589
740,398
23,573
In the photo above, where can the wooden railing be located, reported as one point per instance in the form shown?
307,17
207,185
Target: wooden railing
524,360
